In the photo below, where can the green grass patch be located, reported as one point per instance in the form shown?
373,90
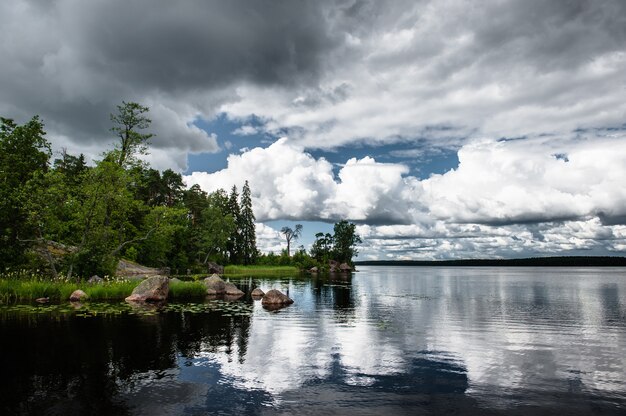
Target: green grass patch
186,290
255,270
13,290
108,290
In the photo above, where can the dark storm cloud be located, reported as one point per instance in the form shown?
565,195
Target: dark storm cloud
201,44
73,61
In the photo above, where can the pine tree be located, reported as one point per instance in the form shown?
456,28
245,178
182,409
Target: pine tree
246,226
234,245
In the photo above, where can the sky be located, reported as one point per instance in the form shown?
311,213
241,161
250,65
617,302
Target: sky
443,129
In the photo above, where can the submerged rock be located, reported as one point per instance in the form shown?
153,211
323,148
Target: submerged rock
232,290
154,289
257,293
275,297
215,285
78,295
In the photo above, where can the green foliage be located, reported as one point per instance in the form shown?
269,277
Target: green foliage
78,220
24,153
186,290
258,270
12,290
322,247
128,120
249,251
345,240
234,245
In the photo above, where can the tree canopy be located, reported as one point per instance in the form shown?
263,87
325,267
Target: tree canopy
72,219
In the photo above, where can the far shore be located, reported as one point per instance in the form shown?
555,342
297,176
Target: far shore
571,261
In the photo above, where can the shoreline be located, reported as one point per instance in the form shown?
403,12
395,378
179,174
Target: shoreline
560,261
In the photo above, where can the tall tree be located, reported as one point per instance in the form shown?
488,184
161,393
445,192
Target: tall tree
129,120
173,187
24,152
322,247
234,242
291,235
345,240
246,225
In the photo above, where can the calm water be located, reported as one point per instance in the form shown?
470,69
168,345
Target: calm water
386,341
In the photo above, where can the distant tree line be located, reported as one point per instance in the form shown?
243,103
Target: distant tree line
63,216
339,246
561,261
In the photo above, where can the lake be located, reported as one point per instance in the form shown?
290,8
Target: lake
388,340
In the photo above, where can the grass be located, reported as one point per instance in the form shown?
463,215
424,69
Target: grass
12,290
17,290
256,270
186,290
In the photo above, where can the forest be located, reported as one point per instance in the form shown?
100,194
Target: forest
61,216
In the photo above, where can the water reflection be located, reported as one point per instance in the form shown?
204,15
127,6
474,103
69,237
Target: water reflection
389,340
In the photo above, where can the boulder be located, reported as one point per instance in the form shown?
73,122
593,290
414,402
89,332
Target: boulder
175,280
95,279
215,285
275,297
345,267
232,290
214,268
42,300
257,293
153,289
78,295
129,269
333,266
313,270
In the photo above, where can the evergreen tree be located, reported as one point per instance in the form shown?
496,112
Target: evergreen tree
234,245
246,225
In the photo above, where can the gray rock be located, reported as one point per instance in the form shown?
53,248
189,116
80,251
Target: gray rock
313,270
42,300
95,279
276,297
153,289
214,268
78,295
257,293
216,284
333,266
345,267
175,280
